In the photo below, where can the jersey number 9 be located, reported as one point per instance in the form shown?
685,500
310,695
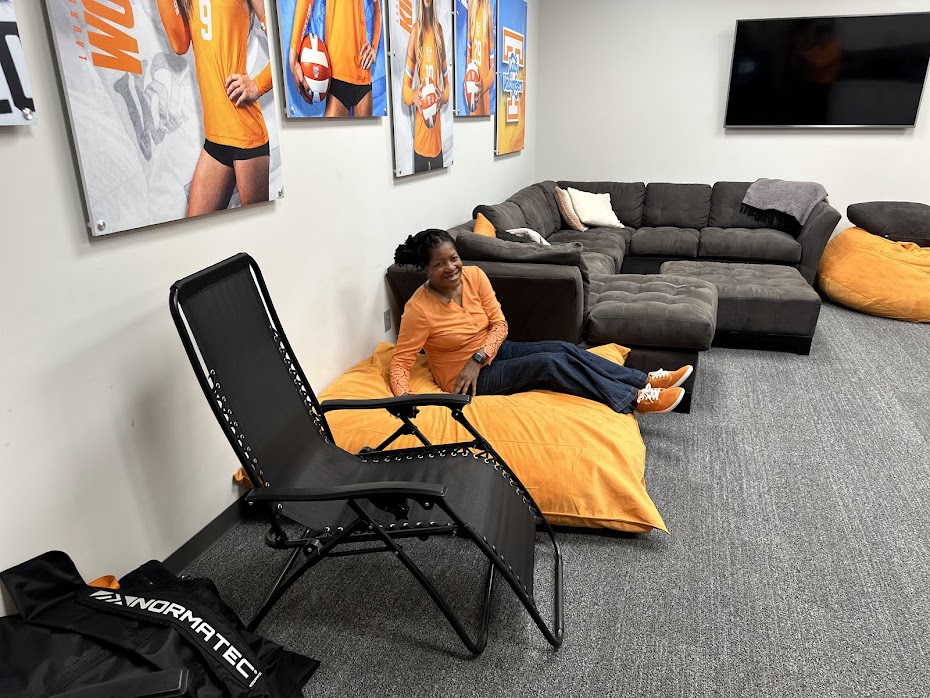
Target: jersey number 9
206,18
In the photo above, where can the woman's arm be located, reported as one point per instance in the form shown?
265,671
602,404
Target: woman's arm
444,67
487,80
302,11
179,34
368,53
414,331
240,88
497,331
411,96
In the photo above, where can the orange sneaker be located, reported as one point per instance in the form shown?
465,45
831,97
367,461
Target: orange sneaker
669,379
651,400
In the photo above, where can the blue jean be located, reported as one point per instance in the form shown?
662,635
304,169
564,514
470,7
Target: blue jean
561,367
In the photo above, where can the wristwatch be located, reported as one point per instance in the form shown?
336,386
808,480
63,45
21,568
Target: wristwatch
480,357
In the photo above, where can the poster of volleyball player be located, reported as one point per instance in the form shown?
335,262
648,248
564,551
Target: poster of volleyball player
421,85
171,107
511,77
333,57
16,105
475,71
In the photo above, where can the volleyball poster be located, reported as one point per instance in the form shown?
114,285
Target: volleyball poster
475,57
16,105
171,107
333,57
421,84
511,77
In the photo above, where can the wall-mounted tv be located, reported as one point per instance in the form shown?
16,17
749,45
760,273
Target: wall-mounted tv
865,71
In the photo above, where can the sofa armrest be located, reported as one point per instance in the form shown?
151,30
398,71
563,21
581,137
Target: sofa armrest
814,237
468,227
540,301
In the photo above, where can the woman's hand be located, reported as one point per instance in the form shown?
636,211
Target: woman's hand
297,73
417,100
467,382
241,89
367,54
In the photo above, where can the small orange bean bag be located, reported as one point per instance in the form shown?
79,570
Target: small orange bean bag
582,462
878,276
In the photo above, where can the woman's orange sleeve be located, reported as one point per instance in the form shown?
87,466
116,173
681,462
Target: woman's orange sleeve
414,331
263,80
408,73
497,332
179,35
301,19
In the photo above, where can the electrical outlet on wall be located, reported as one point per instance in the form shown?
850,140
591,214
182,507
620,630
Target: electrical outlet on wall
387,320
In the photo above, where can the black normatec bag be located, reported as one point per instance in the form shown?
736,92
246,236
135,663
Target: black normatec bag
70,635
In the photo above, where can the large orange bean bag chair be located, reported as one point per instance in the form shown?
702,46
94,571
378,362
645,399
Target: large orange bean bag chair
582,462
878,276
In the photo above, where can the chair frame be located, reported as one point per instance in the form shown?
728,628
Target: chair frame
390,496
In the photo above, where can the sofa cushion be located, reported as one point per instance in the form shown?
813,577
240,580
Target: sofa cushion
476,248
677,205
626,198
904,221
535,209
610,241
599,263
548,188
725,201
503,216
567,210
761,244
594,209
667,241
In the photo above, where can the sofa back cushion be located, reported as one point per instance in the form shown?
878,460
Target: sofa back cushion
904,221
503,216
626,198
477,248
533,202
548,188
725,201
677,205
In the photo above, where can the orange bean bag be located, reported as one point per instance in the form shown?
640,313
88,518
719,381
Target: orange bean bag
582,462
878,276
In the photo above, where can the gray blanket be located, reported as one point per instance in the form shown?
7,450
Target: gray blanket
796,199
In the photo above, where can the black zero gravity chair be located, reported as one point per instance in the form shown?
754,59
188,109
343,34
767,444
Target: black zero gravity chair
278,429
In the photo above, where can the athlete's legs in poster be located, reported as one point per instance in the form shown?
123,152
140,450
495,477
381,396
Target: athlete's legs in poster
252,179
212,185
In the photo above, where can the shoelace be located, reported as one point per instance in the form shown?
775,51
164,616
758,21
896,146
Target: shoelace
661,373
648,394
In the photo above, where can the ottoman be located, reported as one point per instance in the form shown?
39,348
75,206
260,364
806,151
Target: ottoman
759,303
664,319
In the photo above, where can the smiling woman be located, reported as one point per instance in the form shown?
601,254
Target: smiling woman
456,320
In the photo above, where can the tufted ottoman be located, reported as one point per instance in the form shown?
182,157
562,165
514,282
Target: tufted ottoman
666,320
767,303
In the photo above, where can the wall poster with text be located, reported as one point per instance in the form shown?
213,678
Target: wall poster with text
421,84
475,69
16,105
333,57
511,77
171,107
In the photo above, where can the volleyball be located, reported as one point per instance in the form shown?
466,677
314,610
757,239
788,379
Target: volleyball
472,86
428,104
314,62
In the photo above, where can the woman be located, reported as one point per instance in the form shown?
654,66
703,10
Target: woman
352,53
426,58
235,150
456,319
480,50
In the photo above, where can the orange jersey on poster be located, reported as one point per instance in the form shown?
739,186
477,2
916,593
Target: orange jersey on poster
346,33
481,52
432,69
219,33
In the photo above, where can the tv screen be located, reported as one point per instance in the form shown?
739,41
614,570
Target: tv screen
829,71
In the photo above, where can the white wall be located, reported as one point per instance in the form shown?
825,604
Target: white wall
636,91
108,449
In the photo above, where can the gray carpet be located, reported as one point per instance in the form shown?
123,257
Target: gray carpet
797,494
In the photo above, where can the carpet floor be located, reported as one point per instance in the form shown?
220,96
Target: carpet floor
797,496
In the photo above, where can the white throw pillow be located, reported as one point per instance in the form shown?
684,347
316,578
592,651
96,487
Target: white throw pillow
594,209
529,235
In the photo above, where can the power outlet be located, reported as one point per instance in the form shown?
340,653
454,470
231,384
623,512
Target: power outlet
387,320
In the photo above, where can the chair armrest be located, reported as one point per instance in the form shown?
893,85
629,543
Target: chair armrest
814,237
396,404
359,490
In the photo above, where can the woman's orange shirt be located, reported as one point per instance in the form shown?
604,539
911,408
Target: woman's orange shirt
449,333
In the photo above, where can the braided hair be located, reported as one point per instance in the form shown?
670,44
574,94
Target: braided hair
418,249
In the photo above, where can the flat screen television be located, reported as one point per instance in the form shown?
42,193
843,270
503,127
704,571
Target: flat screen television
865,71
